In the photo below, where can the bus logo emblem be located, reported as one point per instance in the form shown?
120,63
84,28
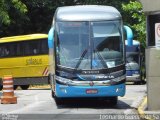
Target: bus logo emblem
90,72
91,83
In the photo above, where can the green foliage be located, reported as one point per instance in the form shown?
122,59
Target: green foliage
4,17
19,6
136,20
24,15
6,6
32,16
40,14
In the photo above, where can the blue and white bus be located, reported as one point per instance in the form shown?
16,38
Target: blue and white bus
87,53
133,73
133,58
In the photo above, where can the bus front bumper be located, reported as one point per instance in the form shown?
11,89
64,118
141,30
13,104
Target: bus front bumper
64,91
133,78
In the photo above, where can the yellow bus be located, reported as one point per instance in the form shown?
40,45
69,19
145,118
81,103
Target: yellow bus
25,57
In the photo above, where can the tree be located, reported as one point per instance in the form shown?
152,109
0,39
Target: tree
6,6
40,14
37,18
32,16
136,20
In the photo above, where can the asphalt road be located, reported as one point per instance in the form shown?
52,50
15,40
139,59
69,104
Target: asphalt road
38,104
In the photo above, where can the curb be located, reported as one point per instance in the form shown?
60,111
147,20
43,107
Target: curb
141,109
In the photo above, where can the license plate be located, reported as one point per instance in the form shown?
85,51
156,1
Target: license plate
91,91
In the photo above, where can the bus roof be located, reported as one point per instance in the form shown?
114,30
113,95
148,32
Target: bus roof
23,38
87,13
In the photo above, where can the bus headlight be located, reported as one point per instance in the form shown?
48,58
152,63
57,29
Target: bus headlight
118,79
63,80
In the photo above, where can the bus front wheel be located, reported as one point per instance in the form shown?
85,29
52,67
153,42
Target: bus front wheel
24,87
59,101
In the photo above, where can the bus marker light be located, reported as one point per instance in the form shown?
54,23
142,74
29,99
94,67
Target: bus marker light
63,90
117,90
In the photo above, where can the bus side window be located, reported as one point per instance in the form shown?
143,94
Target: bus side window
30,48
35,51
19,49
4,51
36,47
1,51
7,52
44,46
10,50
25,48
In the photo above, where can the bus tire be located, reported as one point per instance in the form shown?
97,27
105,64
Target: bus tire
24,87
1,87
143,82
59,101
49,78
15,87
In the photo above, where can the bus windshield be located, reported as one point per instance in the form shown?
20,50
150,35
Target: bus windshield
132,61
89,45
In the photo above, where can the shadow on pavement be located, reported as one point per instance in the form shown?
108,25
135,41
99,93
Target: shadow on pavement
136,83
39,89
92,103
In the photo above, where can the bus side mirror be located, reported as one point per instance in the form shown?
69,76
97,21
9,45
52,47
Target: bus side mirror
51,38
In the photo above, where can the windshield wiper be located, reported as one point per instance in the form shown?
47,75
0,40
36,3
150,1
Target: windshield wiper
84,53
101,58
81,58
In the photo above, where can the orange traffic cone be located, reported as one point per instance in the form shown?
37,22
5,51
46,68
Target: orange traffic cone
8,91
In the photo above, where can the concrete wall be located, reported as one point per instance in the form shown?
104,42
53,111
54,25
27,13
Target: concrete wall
153,78
150,6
